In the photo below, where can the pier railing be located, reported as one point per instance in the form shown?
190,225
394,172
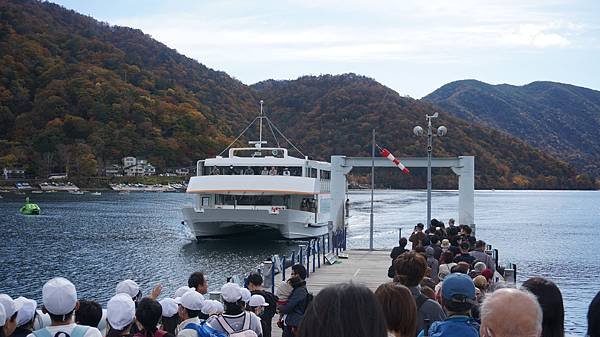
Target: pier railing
312,255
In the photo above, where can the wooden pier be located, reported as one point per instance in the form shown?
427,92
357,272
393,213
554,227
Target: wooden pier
361,267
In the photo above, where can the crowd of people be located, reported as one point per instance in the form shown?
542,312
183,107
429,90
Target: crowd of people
445,285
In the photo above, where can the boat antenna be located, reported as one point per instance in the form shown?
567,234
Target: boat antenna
260,127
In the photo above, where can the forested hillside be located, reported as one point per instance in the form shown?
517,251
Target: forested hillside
559,118
81,93
77,94
335,114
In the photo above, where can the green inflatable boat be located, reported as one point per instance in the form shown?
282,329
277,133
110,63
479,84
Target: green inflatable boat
30,208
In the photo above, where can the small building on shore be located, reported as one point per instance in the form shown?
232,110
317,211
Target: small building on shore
133,167
13,173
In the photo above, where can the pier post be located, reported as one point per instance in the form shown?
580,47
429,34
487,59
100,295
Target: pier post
283,269
318,253
466,190
308,260
338,190
313,254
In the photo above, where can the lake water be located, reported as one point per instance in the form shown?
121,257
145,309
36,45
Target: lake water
97,241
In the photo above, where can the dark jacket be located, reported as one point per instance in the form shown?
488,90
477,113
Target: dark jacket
397,251
21,332
267,315
296,305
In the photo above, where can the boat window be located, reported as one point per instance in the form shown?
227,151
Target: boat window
325,174
313,172
205,201
254,170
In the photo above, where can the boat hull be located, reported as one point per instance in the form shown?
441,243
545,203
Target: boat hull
217,222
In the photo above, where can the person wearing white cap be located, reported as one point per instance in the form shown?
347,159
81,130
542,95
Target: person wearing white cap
190,307
212,307
170,317
25,316
120,314
60,301
2,321
235,319
9,321
130,288
257,305
245,295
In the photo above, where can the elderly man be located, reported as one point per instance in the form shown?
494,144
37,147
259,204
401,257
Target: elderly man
511,312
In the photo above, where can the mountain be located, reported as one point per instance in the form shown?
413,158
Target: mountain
335,115
79,93
559,118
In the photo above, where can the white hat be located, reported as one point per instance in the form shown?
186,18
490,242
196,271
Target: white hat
192,300
246,294
120,311
182,290
258,301
212,307
128,287
59,296
2,316
169,307
231,292
10,306
27,311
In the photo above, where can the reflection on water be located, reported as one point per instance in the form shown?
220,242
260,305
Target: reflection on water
97,241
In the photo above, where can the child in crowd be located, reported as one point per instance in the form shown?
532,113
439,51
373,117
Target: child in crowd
283,292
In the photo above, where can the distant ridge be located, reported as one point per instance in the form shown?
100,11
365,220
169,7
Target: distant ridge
335,114
560,118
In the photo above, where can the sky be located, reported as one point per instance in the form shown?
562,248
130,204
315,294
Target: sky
411,46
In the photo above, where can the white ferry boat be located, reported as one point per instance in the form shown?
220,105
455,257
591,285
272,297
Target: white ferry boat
257,188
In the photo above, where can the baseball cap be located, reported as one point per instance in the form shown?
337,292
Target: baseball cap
231,292
120,311
2,316
27,311
59,296
258,301
169,307
128,287
458,287
192,300
10,306
212,307
246,294
182,290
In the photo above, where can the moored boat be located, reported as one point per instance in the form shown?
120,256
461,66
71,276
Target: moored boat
256,188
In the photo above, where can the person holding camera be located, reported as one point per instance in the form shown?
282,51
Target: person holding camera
417,237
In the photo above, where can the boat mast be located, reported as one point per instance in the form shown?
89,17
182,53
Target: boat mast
260,125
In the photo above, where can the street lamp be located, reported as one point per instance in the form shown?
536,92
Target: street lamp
418,131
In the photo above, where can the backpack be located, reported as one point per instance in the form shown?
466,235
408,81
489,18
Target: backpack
309,298
467,327
78,331
204,330
244,332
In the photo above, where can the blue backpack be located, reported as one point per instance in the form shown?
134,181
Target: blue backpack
204,330
455,327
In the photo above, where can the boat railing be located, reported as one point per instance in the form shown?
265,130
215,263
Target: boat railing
253,207
325,185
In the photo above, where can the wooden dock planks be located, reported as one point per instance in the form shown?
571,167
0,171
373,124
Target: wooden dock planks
362,267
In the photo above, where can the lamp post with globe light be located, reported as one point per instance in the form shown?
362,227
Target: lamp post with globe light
418,131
